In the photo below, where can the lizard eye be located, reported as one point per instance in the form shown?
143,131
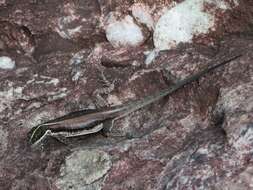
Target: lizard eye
36,134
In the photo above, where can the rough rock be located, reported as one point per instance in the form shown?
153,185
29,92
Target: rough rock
83,170
187,20
123,32
198,138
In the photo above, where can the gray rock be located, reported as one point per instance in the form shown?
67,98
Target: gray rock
84,169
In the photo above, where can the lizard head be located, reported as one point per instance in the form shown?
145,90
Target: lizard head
37,134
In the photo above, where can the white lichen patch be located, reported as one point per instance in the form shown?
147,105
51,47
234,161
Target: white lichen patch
184,21
142,14
123,32
84,168
6,63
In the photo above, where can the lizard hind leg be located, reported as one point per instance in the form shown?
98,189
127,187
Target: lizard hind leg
107,129
107,126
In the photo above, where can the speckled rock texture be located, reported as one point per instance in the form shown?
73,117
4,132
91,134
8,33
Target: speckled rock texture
199,138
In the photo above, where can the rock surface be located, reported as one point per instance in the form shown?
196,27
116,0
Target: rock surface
201,137
187,20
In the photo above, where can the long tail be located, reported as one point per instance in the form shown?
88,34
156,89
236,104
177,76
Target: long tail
152,98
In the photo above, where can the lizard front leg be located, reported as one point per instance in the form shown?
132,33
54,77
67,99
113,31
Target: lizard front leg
60,137
107,129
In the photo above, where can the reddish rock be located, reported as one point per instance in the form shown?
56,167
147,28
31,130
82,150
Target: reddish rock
198,138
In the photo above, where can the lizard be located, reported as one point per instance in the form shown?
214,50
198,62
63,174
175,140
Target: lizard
91,121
